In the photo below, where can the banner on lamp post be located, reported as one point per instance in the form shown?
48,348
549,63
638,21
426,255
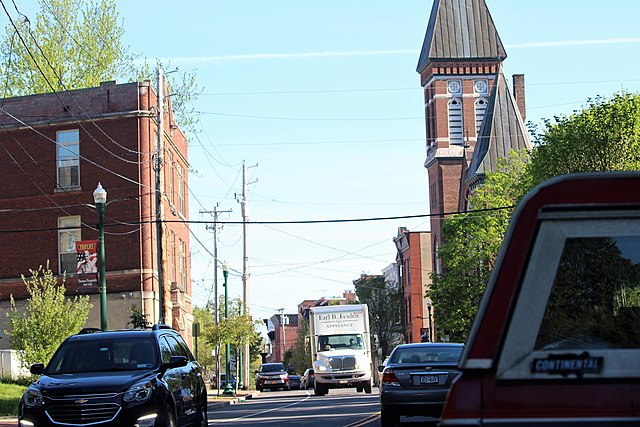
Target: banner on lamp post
87,263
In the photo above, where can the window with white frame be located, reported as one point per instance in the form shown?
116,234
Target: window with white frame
481,108
68,158
170,177
183,265
172,256
181,189
68,234
455,122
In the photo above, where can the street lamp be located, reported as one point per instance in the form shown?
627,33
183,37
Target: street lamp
228,390
100,199
431,335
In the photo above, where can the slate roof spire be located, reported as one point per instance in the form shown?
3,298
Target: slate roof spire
460,30
502,130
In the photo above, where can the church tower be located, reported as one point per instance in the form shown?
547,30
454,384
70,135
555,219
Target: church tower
467,105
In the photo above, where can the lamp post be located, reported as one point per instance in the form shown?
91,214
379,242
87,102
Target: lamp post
431,335
228,389
100,199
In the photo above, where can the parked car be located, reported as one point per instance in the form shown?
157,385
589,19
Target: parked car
223,380
143,377
416,379
294,381
308,379
556,340
272,376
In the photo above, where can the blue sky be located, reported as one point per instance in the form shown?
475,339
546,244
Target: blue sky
324,98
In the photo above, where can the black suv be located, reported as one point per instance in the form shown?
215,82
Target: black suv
128,378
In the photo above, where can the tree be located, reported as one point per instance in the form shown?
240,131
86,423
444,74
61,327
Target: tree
47,319
298,355
471,242
138,318
605,136
75,44
205,318
72,44
384,302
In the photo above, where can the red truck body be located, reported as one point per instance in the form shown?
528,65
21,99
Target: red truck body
556,341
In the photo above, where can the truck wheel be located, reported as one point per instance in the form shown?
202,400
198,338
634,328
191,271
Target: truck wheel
367,387
359,389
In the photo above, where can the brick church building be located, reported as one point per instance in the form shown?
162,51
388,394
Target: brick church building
472,116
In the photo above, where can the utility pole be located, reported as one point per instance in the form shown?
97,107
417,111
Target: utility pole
215,276
158,188
245,268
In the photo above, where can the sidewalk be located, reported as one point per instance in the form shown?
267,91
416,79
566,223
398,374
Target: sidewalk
214,400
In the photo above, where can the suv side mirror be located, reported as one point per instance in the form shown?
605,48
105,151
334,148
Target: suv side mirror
176,362
37,368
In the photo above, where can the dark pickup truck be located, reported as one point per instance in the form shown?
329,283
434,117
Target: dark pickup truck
556,341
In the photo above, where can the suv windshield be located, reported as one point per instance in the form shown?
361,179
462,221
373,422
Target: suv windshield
103,354
276,367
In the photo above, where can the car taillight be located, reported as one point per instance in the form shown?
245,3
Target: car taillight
389,378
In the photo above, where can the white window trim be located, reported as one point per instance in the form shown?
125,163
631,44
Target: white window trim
59,145
61,233
518,352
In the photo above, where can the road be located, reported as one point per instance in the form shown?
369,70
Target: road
340,408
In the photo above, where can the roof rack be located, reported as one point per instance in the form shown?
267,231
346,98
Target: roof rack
160,326
89,331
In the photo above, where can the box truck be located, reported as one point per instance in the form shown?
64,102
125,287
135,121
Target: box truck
340,345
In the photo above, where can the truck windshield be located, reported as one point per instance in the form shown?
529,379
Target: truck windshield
337,342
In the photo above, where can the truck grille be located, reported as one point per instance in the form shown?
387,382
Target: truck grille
82,414
345,363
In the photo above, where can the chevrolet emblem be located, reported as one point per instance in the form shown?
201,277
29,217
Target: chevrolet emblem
81,401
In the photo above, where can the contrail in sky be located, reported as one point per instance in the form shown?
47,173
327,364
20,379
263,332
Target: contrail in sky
352,53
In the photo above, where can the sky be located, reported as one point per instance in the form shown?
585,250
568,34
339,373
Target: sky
323,103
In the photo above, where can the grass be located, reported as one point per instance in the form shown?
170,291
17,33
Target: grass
9,397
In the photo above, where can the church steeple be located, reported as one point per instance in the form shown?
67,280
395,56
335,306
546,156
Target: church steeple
460,30
466,98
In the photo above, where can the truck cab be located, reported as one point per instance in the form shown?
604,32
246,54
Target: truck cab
556,341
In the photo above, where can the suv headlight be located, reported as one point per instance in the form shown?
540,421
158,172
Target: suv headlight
138,392
33,397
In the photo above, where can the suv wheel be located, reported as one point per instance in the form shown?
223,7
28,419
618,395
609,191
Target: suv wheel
169,418
367,387
202,417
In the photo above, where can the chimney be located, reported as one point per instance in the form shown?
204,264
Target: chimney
518,93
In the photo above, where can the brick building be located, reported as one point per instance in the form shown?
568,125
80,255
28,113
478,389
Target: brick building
55,149
472,117
414,263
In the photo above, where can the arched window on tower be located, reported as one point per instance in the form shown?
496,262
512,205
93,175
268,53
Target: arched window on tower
481,108
455,122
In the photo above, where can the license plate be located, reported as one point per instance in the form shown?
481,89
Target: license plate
428,379
271,382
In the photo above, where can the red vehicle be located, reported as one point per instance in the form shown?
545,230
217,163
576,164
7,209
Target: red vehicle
556,341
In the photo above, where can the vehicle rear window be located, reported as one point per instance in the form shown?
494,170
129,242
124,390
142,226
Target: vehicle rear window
426,355
595,296
98,355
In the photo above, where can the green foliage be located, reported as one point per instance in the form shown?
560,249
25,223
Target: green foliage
138,319
384,302
71,44
205,318
47,319
297,355
76,44
237,330
603,137
471,243
9,398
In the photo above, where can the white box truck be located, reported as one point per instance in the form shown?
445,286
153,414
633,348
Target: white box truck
340,345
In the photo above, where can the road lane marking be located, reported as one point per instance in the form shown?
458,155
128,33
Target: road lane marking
262,412
364,421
